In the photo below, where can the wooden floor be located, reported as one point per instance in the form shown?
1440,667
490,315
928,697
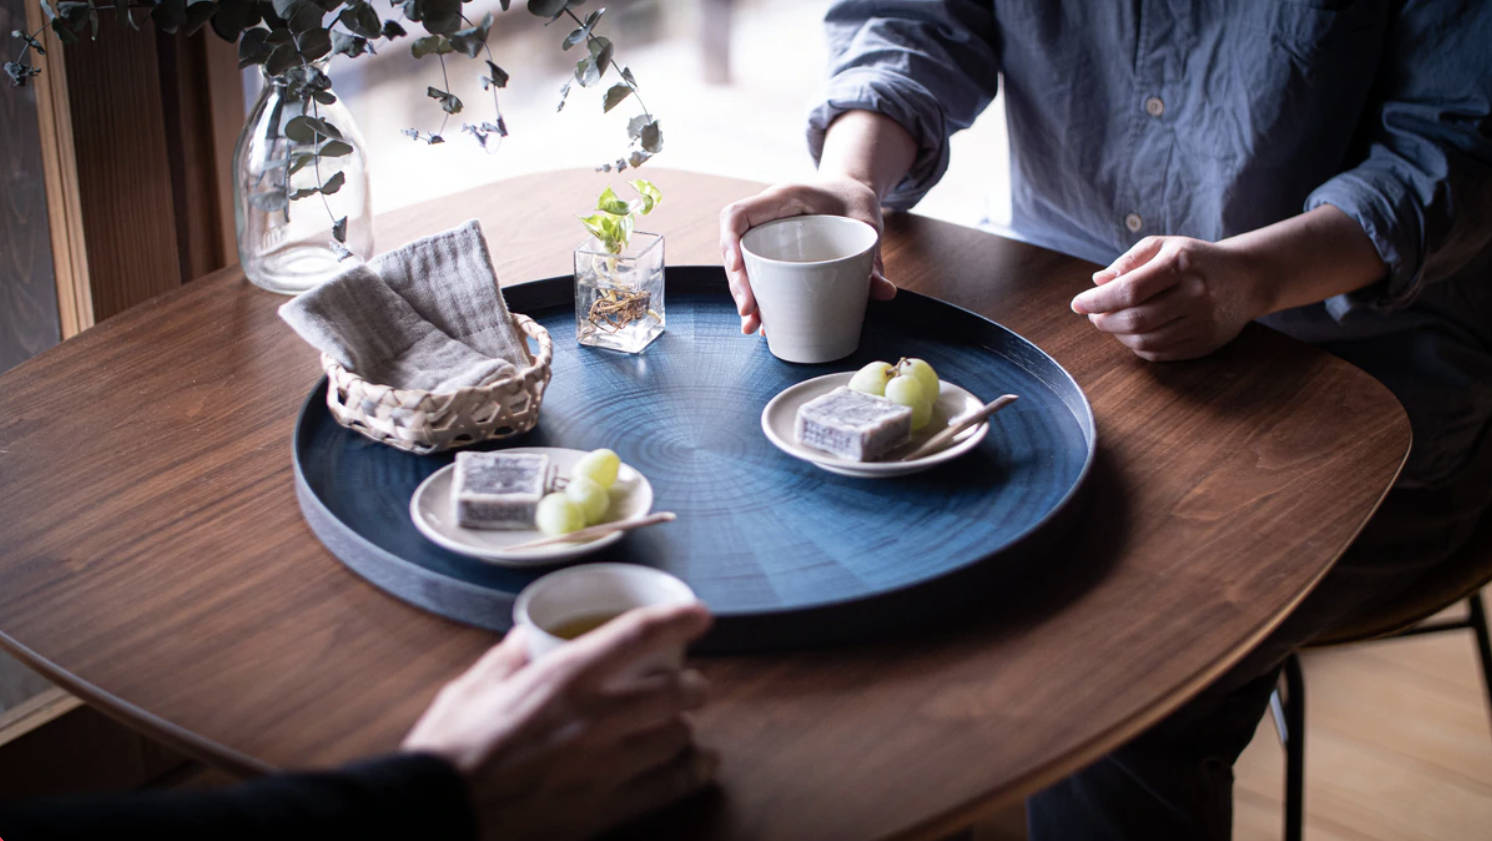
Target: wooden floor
1398,748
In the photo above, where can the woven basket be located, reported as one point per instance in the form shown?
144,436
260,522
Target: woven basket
422,422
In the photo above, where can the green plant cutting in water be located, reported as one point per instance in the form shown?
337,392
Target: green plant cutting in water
618,303
292,39
614,219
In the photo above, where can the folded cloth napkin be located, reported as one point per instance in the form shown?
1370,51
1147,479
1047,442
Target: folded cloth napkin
436,322
448,279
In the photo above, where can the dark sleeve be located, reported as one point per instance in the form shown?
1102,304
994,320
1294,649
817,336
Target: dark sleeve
931,67
397,797
1423,190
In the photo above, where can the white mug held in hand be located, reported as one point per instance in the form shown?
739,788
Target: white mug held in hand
562,605
811,277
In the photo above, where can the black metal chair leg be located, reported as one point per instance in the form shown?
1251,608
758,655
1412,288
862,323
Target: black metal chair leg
1294,749
1477,618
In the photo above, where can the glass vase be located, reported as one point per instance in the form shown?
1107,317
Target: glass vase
302,207
619,297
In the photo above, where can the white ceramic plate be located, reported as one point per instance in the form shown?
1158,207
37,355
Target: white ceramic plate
782,411
430,508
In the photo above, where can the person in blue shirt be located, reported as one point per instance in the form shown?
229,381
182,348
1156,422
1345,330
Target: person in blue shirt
1321,166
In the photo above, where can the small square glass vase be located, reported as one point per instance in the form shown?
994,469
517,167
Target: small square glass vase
619,297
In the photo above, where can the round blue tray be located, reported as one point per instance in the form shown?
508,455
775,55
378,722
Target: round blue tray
785,554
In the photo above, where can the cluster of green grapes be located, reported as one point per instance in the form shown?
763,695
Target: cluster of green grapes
586,497
910,382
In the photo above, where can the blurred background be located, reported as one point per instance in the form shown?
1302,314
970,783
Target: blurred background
730,82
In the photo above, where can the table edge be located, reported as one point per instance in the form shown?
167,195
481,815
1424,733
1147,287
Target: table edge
962,817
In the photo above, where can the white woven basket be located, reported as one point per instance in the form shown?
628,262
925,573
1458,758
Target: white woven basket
424,422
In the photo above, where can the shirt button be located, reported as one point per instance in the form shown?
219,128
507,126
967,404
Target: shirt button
1154,106
1134,223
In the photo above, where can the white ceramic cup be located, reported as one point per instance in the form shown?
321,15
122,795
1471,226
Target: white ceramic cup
591,589
810,276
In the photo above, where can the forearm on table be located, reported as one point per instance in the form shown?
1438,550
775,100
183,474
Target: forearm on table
1308,258
868,147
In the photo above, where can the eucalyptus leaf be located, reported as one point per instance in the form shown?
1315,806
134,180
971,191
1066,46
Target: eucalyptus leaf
575,37
327,97
637,124
305,17
198,13
313,44
627,74
51,14
30,42
339,229
283,58
586,72
392,30
301,161
430,45
652,138
334,183
498,77
361,20
299,129
168,15
253,47
231,19
564,94
304,193
546,8
19,72
64,32
352,46
638,157
324,128
615,95
472,39
441,17
285,8
335,149
342,251
601,50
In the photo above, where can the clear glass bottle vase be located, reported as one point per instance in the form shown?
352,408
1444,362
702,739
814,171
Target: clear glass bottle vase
300,178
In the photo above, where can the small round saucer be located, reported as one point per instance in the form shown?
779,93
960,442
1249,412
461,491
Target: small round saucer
781,412
430,509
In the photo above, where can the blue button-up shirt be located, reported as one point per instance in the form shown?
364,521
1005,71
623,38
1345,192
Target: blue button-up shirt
1210,118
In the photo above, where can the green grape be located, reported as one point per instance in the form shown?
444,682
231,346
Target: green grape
907,391
590,496
872,378
924,374
557,514
598,465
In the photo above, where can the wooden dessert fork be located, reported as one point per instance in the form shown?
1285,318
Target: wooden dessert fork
957,425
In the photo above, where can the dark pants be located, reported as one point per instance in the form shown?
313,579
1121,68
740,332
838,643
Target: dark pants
1176,780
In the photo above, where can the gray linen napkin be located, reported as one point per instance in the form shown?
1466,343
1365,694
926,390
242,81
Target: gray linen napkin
427,316
448,279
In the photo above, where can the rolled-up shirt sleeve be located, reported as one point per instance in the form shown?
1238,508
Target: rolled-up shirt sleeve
930,66
1423,191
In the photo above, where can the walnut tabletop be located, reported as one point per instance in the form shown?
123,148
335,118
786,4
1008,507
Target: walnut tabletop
154,561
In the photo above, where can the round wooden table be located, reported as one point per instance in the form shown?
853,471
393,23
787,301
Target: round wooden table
153,559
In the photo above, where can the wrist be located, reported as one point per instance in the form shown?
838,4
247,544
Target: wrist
869,149
1263,279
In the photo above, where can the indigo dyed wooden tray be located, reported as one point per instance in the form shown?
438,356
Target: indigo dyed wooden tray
784,553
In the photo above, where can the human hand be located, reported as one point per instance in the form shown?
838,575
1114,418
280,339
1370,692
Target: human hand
839,196
565,747
1172,297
